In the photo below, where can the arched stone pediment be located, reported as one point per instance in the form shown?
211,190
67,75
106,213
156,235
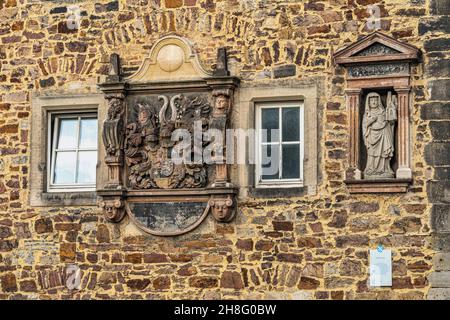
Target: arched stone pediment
171,59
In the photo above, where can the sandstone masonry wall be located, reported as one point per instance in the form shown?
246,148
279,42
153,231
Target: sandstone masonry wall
311,247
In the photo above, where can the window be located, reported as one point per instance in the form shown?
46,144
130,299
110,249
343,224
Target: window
73,152
279,144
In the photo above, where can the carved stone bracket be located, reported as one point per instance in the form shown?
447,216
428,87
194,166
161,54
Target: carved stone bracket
113,206
223,209
377,94
160,123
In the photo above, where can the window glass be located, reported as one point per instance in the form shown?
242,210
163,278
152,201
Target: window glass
291,161
270,161
65,167
87,161
73,156
280,152
269,123
88,133
67,137
291,126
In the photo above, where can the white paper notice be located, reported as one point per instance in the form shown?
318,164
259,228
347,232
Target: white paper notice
380,268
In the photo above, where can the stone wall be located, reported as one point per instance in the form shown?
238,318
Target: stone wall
310,247
437,152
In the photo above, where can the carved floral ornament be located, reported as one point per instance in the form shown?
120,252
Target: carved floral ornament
378,87
154,136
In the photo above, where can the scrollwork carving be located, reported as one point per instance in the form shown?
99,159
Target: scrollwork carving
113,130
113,138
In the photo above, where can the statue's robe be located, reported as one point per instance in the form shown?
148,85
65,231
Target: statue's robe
379,140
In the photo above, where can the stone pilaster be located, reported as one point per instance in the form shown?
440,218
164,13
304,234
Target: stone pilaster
353,101
403,154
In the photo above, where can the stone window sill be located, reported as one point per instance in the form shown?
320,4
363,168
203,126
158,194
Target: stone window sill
378,186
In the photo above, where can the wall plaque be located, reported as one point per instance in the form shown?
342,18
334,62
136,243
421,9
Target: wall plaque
380,268
160,121
168,218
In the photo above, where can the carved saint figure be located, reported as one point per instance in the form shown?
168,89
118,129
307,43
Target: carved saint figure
378,133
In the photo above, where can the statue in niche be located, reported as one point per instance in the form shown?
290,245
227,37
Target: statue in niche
378,133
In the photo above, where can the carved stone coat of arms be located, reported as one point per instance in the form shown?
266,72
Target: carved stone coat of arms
158,127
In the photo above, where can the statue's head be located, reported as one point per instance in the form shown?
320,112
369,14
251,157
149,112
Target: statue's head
374,102
115,108
222,208
222,102
143,115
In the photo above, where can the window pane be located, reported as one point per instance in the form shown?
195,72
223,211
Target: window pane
269,121
270,162
87,162
291,161
291,128
65,167
67,137
88,133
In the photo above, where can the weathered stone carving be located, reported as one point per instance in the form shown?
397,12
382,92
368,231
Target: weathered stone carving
159,142
378,134
113,137
168,218
113,209
222,102
223,209
378,69
377,49
113,127
149,144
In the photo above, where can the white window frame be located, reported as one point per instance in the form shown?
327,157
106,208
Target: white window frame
56,116
288,183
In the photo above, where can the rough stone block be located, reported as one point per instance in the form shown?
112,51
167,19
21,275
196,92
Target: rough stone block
439,191
437,45
440,217
284,71
441,261
439,294
438,68
437,153
440,7
440,130
435,24
442,173
440,241
439,279
440,89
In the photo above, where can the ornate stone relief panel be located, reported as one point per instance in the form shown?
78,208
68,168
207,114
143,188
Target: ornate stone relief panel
377,49
378,86
160,122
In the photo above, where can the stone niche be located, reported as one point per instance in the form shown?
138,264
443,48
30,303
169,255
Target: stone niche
378,103
170,106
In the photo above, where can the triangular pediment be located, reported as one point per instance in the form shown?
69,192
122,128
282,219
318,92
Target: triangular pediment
376,47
